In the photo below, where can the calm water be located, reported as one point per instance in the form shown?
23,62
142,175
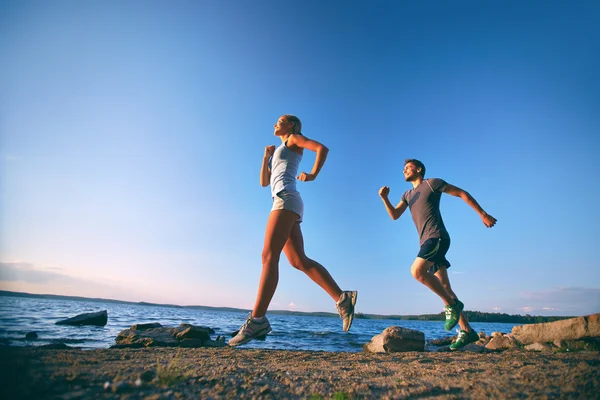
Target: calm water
21,315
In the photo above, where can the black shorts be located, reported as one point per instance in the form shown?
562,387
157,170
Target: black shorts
435,250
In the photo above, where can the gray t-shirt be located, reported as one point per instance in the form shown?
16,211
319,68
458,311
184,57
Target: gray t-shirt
424,204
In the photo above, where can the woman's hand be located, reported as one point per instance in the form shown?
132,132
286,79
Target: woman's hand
269,150
304,177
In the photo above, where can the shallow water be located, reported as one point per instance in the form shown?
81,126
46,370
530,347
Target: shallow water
19,315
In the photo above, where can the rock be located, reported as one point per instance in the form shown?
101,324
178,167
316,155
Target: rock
559,343
501,343
99,318
396,339
537,347
444,349
194,332
141,327
210,330
566,329
496,334
31,336
155,335
441,342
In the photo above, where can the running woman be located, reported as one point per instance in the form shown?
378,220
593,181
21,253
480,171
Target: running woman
279,169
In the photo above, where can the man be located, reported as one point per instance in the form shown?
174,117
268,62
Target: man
430,266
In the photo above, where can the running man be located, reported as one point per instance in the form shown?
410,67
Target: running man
430,267
279,169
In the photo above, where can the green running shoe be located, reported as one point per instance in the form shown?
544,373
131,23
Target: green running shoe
453,314
464,338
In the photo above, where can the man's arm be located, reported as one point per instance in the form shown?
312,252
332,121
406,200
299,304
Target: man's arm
487,219
395,212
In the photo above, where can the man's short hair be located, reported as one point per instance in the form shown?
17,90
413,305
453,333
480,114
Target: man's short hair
418,164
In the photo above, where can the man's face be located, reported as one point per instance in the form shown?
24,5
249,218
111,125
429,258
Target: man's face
410,172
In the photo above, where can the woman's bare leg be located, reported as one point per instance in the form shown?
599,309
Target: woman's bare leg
279,226
294,251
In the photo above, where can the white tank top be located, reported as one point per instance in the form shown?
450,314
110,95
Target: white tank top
284,169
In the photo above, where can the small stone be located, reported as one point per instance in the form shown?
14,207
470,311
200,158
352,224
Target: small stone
138,382
147,376
107,385
121,387
31,336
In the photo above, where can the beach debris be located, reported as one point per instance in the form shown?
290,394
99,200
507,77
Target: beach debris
138,382
106,385
566,329
31,336
396,339
99,318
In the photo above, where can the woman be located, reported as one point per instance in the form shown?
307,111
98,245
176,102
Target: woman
283,228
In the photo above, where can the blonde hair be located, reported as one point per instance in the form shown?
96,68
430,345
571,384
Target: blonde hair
297,123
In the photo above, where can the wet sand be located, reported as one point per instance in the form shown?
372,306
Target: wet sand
245,373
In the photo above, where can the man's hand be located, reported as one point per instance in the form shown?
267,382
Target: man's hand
304,177
384,191
488,220
269,150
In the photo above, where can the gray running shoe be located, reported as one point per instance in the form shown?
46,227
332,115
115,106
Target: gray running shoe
345,307
250,330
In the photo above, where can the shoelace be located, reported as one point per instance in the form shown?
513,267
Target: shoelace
448,312
461,334
246,323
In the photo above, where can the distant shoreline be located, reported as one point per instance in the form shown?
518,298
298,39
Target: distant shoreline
473,316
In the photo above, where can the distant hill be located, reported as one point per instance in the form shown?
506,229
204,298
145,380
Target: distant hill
473,316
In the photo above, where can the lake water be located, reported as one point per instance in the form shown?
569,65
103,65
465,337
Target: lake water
20,315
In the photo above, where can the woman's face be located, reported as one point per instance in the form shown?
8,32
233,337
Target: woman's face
282,127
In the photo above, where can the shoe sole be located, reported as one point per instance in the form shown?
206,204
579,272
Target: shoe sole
248,339
353,296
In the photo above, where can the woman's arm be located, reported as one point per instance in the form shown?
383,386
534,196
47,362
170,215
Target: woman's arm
309,144
265,171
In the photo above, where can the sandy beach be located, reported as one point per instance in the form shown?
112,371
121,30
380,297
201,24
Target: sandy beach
245,373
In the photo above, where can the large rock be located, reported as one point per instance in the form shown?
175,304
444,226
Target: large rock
155,335
566,329
99,318
396,339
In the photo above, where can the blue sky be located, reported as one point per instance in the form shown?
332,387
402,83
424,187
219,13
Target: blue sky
131,137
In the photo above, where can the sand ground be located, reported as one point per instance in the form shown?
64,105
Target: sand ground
245,373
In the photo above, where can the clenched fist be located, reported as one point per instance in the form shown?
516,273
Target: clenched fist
384,191
269,150
304,177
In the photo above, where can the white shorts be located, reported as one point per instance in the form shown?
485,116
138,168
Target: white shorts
289,200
